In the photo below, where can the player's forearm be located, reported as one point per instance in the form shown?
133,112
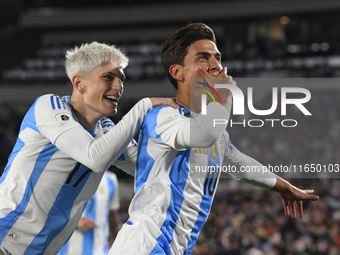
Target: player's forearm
251,171
281,185
99,154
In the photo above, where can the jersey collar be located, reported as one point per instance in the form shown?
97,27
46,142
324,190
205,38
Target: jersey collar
187,111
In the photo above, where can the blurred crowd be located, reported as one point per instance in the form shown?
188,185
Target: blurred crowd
253,223
277,46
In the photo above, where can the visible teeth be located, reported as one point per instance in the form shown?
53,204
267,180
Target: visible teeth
112,97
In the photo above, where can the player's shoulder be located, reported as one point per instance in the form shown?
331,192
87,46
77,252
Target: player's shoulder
164,112
49,97
52,101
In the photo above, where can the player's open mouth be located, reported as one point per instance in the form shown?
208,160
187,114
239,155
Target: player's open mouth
112,100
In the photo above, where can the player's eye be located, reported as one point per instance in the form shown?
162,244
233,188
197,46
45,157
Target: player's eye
109,77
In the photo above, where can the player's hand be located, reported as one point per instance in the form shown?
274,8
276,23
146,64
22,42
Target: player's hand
86,224
292,202
221,78
292,197
159,101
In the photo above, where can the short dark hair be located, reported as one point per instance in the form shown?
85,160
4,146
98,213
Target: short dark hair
176,46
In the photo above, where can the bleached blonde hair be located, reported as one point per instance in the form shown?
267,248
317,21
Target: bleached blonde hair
82,60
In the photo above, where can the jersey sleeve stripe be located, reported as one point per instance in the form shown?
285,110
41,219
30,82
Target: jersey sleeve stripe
107,121
52,103
64,106
58,102
108,125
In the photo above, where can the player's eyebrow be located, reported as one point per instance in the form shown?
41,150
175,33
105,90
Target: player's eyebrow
120,75
217,54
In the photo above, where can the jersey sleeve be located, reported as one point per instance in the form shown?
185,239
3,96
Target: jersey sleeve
127,160
177,131
72,139
246,168
53,117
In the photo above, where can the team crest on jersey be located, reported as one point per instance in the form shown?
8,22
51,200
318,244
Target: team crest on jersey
213,151
14,236
62,117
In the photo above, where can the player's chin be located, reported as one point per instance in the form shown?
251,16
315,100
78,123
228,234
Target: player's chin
112,112
109,111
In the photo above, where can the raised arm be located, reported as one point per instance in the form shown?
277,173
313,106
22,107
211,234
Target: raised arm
99,154
54,120
251,171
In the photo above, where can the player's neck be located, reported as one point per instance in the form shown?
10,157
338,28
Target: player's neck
184,99
84,115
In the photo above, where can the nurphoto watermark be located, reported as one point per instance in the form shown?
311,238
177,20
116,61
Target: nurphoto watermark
208,91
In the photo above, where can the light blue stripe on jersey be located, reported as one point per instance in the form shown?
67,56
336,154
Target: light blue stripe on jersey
44,157
60,211
9,220
88,236
56,100
112,189
17,147
145,162
29,119
150,123
205,203
226,143
122,157
162,247
106,122
52,102
178,176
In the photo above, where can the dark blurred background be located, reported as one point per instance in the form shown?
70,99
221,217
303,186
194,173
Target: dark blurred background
258,39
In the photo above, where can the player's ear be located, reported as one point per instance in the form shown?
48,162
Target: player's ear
77,82
176,71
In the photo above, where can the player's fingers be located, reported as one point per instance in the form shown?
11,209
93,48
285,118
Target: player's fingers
286,207
224,70
300,208
292,208
204,72
309,196
230,80
173,104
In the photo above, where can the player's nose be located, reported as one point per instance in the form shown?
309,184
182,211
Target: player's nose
214,66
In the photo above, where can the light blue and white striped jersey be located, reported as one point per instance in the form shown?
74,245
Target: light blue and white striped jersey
54,169
95,241
172,197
